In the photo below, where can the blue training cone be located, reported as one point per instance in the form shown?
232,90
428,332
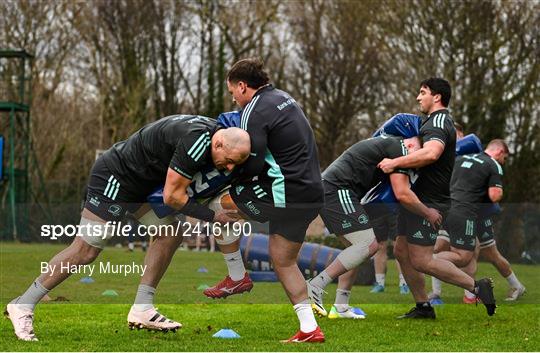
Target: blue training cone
202,269
226,333
87,280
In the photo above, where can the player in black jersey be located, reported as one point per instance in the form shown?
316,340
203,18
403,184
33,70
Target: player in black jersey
414,244
171,151
346,181
281,184
476,183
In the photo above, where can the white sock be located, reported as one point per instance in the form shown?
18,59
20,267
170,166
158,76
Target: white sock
321,280
402,281
144,299
342,300
436,286
32,296
131,246
468,294
513,281
235,264
305,316
380,278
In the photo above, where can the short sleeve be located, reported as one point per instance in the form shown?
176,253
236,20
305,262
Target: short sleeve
190,153
495,175
435,129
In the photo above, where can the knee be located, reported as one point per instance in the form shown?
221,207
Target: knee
464,259
400,253
420,264
374,248
85,253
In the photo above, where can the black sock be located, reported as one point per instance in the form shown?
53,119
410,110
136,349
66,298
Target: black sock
423,306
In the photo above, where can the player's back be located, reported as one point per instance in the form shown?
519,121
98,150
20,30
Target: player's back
356,168
291,150
473,175
147,153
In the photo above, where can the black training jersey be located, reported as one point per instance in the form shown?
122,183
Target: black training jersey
433,184
473,175
356,168
283,149
181,142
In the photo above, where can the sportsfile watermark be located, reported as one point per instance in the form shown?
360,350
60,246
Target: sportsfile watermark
121,229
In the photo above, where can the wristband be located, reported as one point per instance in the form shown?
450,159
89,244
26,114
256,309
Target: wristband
193,209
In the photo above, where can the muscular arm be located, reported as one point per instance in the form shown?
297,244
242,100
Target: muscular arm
405,196
175,190
495,194
428,154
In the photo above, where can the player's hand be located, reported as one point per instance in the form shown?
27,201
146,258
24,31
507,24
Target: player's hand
434,217
226,216
387,165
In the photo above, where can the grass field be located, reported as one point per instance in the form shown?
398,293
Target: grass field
92,322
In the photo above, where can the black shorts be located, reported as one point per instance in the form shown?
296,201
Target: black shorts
255,199
485,231
461,228
342,212
106,196
385,226
417,229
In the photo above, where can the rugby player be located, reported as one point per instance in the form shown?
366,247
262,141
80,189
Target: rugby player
171,150
346,181
476,181
414,244
281,184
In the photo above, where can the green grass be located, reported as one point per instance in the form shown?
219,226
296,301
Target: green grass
90,323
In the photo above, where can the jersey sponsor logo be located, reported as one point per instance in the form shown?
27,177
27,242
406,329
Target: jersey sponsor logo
460,241
285,104
363,219
466,164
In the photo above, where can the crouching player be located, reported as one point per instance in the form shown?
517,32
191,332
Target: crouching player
346,181
173,149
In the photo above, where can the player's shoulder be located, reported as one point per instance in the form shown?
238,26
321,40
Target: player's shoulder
495,166
440,119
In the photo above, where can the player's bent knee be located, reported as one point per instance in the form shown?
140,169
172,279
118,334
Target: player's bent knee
94,233
85,253
363,244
